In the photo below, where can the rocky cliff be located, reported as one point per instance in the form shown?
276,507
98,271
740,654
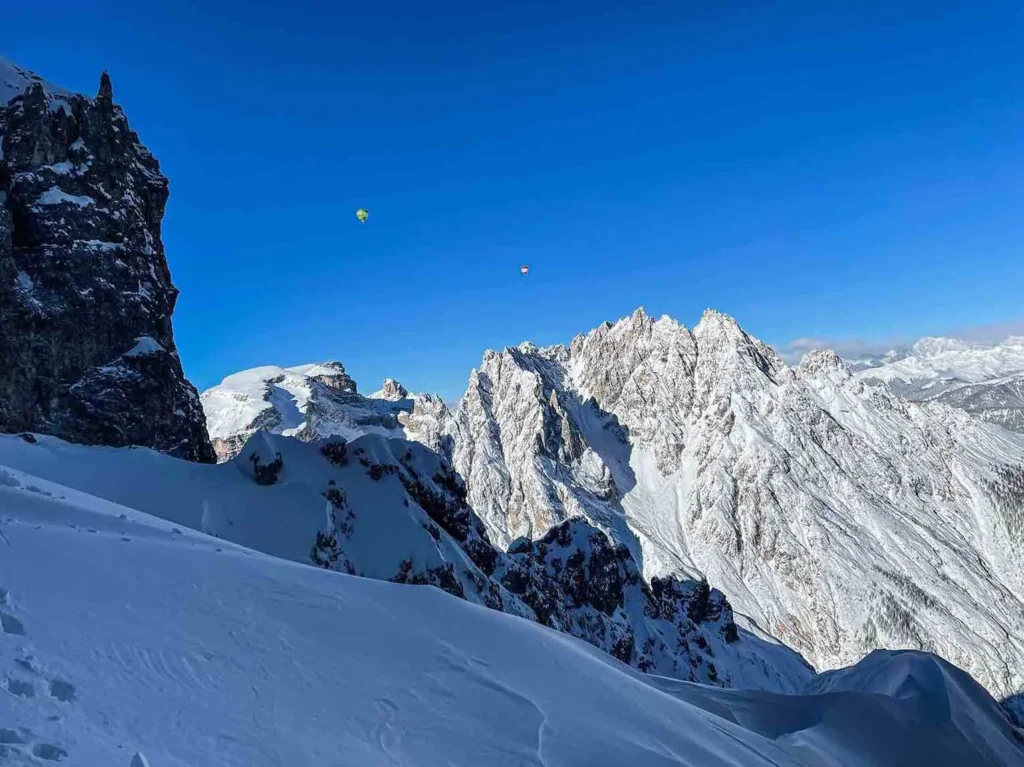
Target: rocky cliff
834,514
86,347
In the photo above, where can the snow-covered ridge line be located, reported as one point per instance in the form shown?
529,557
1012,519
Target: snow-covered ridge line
835,515
939,359
131,641
308,402
14,81
392,510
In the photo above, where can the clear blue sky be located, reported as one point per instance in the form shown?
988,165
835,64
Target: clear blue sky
812,169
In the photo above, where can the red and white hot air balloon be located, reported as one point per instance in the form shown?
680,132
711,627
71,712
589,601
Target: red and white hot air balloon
524,269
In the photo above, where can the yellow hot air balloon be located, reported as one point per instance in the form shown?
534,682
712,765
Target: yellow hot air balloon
362,215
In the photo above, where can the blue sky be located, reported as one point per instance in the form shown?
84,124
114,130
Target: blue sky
815,169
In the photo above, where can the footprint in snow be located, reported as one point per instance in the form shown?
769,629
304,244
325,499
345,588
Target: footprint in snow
62,691
12,737
49,752
20,688
11,625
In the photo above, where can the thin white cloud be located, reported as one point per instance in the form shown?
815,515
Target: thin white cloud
848,348
856,348
992,334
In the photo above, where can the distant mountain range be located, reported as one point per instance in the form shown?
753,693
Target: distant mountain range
986,380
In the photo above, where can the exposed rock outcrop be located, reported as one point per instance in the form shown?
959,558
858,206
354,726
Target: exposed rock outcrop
86,347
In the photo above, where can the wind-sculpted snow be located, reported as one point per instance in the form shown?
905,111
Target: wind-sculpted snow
129,640
393,510
832,513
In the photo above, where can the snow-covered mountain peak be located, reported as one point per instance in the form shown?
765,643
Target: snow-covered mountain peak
931,346
834,514
331,374
985,379
823,363
705,452
390,390
304,401
935,365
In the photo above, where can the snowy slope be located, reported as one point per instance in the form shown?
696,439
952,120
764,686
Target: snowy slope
997,400
14,81
391,510
834,514
130,641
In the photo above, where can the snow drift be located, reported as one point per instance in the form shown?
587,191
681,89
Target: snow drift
129,640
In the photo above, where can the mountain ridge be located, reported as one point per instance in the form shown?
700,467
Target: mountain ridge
706,454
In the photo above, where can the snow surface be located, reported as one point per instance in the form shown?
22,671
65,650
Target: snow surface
384,532
129,640
55,196
144,345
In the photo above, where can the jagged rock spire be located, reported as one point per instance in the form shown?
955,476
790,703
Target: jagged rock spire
106,91
88,280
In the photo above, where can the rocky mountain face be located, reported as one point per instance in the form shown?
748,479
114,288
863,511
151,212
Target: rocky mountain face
574,579
986,380
836,515
998,400
86,346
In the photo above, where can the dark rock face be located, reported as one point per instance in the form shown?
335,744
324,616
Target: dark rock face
86,347
333,376
578,581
